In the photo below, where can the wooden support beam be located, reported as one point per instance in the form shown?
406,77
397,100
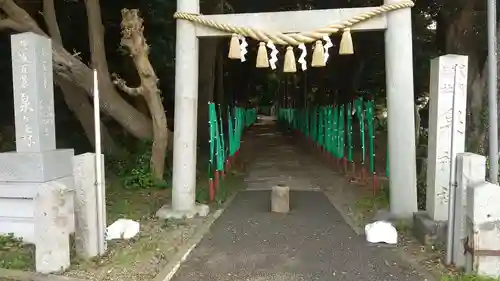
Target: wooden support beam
295,21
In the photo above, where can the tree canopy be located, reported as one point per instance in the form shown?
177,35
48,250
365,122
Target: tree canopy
90,34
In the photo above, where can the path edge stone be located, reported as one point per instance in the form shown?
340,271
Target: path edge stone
169,270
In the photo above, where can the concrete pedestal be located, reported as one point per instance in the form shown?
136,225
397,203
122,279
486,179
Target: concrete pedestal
54,218
167,212
428,231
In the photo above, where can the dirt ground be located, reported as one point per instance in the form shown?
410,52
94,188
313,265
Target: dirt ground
142,257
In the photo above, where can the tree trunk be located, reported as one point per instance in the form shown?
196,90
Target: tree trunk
205,87
219,86
71,69
476,129
461,39
76,98
133,39
206,84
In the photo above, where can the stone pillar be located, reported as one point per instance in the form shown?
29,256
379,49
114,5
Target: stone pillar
37,177
33,93
185,119
441,108
400,105
86,231
53,218
483,230
471,170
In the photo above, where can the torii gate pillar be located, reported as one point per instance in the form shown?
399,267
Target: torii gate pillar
185,122
401,117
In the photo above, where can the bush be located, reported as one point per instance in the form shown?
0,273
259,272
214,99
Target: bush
134,169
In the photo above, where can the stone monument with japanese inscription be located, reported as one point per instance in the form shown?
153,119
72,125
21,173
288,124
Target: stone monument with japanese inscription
36,181
447,115
448,100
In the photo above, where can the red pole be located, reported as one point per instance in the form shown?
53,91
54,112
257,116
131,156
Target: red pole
374,183
363,173
211,190
216,180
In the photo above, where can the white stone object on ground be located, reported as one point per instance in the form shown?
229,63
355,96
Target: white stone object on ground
280,199
122,229
381,232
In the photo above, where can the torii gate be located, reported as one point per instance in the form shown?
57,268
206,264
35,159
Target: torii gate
399,79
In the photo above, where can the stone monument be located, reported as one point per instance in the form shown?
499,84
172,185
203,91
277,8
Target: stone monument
448,80
36,182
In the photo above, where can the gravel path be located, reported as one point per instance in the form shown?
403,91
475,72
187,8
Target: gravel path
312,242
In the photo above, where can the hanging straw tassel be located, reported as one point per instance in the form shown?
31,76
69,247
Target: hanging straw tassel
234,48
318,59
346,47
290,66
262,59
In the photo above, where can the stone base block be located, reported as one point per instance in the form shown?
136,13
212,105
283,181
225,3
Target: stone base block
54,217
166,212
429,232
36,166
18,207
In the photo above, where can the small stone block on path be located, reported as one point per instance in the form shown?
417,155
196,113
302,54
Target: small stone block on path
280,199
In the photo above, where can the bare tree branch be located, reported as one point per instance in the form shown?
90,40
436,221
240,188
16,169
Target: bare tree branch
12,25
122,85
23,20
